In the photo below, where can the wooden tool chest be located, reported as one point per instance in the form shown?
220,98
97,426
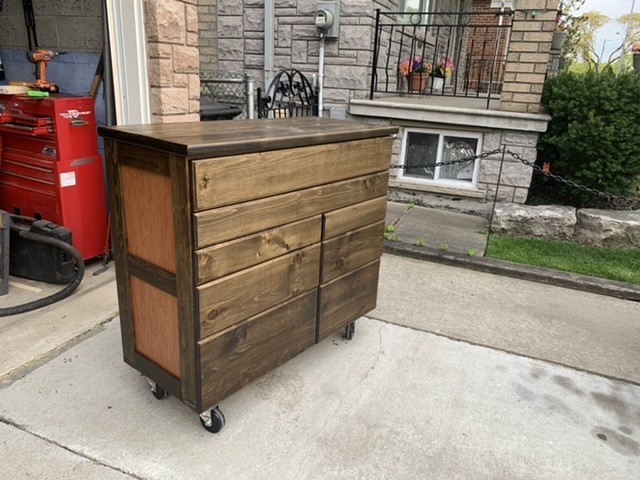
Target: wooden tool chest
239,244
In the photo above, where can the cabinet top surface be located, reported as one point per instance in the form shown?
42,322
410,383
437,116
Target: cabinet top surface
231,137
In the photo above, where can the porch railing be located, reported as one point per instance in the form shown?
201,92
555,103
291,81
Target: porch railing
461,54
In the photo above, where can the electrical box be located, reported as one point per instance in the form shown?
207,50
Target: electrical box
327,18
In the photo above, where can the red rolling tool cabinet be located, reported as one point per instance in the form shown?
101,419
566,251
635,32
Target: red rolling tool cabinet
50,167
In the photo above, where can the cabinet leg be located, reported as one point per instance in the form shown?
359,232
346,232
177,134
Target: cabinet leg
212,420
157,390
349,330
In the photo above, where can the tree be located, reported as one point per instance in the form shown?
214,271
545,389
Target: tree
580,44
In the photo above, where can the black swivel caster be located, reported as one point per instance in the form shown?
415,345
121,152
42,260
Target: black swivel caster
157,390
349,330
212,420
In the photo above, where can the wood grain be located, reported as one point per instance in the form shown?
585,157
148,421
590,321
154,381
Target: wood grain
239,355
351,251
227,223
347,298
229,257
198,140
155,325
148,216
243,294
239,178
144,158
152,275
119,246
354,216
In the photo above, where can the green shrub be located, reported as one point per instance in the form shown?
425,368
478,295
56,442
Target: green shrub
593,137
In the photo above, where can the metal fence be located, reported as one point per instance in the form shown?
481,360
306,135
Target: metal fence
457,54
224,87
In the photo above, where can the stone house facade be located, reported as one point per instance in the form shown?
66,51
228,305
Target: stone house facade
232,39
186,37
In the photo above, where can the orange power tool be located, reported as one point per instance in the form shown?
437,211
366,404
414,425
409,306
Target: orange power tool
41,58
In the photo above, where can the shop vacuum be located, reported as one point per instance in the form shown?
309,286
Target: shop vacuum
41,250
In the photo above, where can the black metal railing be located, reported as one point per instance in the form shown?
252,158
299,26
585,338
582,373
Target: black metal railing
442,53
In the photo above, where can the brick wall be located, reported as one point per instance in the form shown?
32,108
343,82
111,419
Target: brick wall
528,58
173,59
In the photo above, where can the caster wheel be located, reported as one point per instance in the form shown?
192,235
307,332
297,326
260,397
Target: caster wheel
158,391
213,420
349,330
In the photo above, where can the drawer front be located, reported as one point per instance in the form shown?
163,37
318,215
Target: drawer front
355,216
347,298
240,178
229,257
227,223
351,251
241,295
235,357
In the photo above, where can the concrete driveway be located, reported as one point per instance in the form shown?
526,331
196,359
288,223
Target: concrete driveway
453,376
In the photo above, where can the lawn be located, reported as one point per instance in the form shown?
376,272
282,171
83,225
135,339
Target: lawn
621,264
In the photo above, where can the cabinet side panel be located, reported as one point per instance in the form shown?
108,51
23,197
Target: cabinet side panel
347,298
155,325
148,210
241,354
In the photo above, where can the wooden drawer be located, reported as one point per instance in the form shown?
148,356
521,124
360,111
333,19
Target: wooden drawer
351,251
235,357
229,257
355,216
347,298
239,178
241,295
227,223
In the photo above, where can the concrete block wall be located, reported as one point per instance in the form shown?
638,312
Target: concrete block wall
240,44
60,25
528,58
172,31
208,34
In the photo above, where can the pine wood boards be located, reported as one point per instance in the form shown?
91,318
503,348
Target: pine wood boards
240,244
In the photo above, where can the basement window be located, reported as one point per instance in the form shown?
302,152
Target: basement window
422,150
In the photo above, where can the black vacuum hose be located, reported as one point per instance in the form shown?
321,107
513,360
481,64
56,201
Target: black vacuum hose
65,292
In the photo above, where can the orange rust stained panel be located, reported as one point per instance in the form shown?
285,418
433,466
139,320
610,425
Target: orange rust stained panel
148,213
155,325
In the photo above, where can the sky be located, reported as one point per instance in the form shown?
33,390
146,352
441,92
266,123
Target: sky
610,36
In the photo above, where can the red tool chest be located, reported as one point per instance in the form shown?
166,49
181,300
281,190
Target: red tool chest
50,167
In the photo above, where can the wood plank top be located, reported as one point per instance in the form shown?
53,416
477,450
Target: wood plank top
198,140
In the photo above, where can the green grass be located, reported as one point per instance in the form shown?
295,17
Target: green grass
621,264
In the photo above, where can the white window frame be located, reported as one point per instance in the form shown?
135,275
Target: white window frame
425,6
440,181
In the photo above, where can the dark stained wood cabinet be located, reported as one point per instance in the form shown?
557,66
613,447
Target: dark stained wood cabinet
239,244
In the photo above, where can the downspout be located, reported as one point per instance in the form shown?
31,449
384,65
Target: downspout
320,74
269,29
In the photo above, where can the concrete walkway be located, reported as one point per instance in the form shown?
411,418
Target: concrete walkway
458,374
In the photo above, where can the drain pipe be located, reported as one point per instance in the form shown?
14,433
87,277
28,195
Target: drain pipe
320,74
269,48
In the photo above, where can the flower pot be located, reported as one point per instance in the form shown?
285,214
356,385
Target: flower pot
436,84
417,82
558,40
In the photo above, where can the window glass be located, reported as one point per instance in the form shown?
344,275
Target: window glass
412,6
422,152
457,148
